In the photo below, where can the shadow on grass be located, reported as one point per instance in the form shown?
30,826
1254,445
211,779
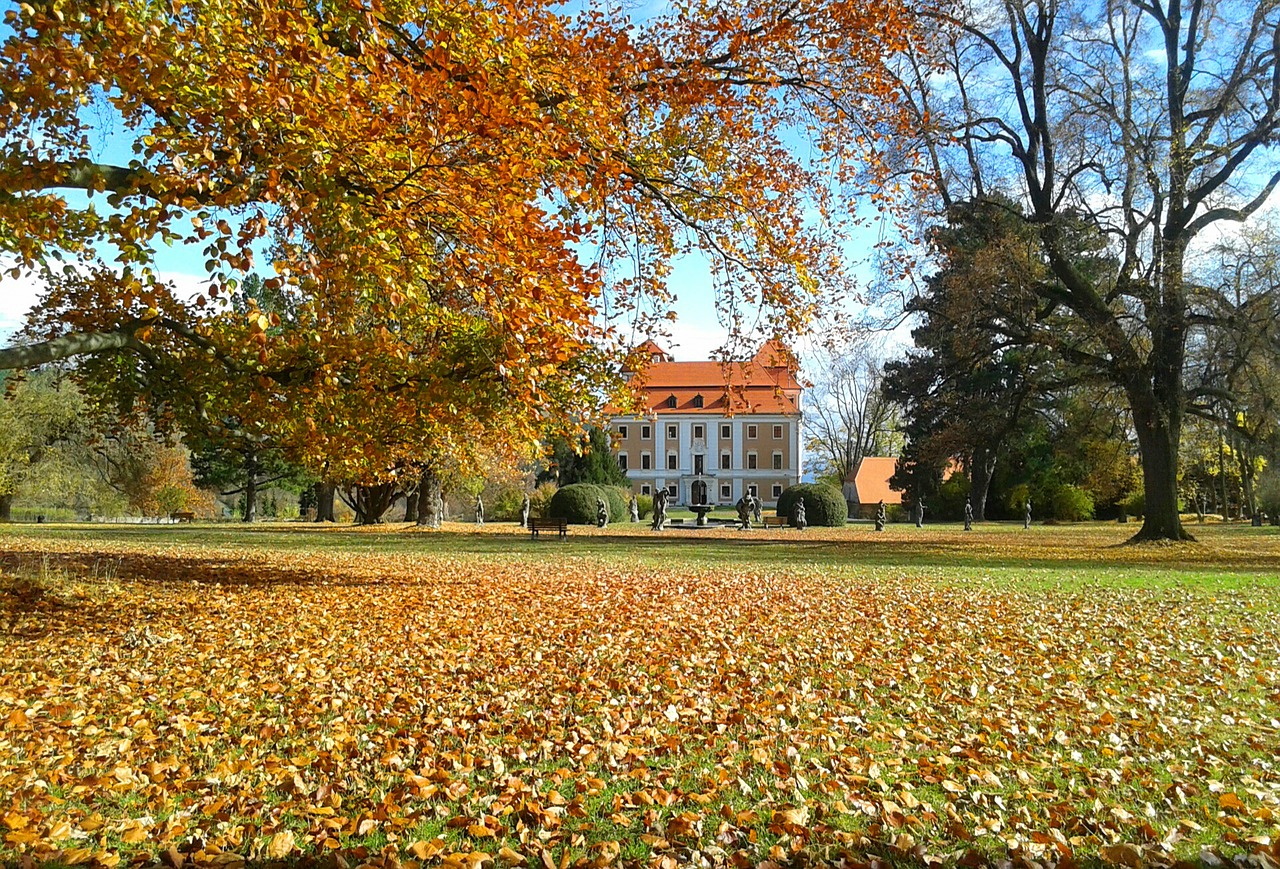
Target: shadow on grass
1226,551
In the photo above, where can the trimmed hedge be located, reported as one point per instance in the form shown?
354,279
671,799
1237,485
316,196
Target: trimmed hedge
577,503
823,504
617,498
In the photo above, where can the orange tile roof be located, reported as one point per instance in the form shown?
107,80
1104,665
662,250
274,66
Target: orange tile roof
871,480
765,384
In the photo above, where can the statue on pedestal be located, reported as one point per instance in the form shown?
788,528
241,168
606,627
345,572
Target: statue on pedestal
602,513
797,515
634,507
744,512
524,511
881,516
968,515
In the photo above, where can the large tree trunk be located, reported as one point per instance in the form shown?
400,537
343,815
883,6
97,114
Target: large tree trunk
984,466
372,502
411,506
250,512
1158,437
1244,459
6,508
325,496
429,499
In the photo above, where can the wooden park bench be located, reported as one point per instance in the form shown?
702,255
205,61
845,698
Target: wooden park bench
184,516
775,521
551,523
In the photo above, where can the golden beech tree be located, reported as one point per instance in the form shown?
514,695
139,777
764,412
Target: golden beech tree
462,200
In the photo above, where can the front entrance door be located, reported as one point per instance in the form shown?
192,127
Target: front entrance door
698,492
699,465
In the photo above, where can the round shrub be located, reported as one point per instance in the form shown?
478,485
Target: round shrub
617,498
1072,504
645,503
823,504
576,503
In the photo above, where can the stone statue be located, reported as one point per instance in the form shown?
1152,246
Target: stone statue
756,504
797,515
634,507
882,516
660,509
479,510
920,513
439,509
602,513
1026,515
744,512
524,511
968,515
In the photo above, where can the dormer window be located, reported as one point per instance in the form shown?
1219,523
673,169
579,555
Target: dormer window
697,400
671,401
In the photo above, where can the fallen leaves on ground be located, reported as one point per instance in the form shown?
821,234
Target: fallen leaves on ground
215,705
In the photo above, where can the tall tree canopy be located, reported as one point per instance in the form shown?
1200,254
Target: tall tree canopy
1150,121
428,177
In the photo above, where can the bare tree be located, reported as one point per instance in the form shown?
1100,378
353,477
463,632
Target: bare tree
1150,121
846,416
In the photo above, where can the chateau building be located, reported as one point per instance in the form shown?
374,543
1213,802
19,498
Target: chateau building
714,431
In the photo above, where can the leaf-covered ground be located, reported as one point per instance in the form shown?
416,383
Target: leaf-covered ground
213,695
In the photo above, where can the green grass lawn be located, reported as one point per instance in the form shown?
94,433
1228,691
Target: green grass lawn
706,697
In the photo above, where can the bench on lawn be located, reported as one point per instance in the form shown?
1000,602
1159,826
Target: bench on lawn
184,516
551,523
775,521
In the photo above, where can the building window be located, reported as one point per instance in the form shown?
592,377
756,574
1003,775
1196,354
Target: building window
671,490
777,432
671,400
622,431
753,491
751,431
671,432
751,461
724,462
725,492
622,461
645,432
671,461
699,432
777,491
777,461
646,462
725,432
645,490
697,400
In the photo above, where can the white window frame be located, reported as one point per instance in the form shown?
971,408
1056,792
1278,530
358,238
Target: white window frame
753,432
753,490
777,432
622,431
673,461
777,460
726,460
777,491
622,461
726,431
646,432
673,432
645,490
726,491
699,432
673,491
753,462
646,461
